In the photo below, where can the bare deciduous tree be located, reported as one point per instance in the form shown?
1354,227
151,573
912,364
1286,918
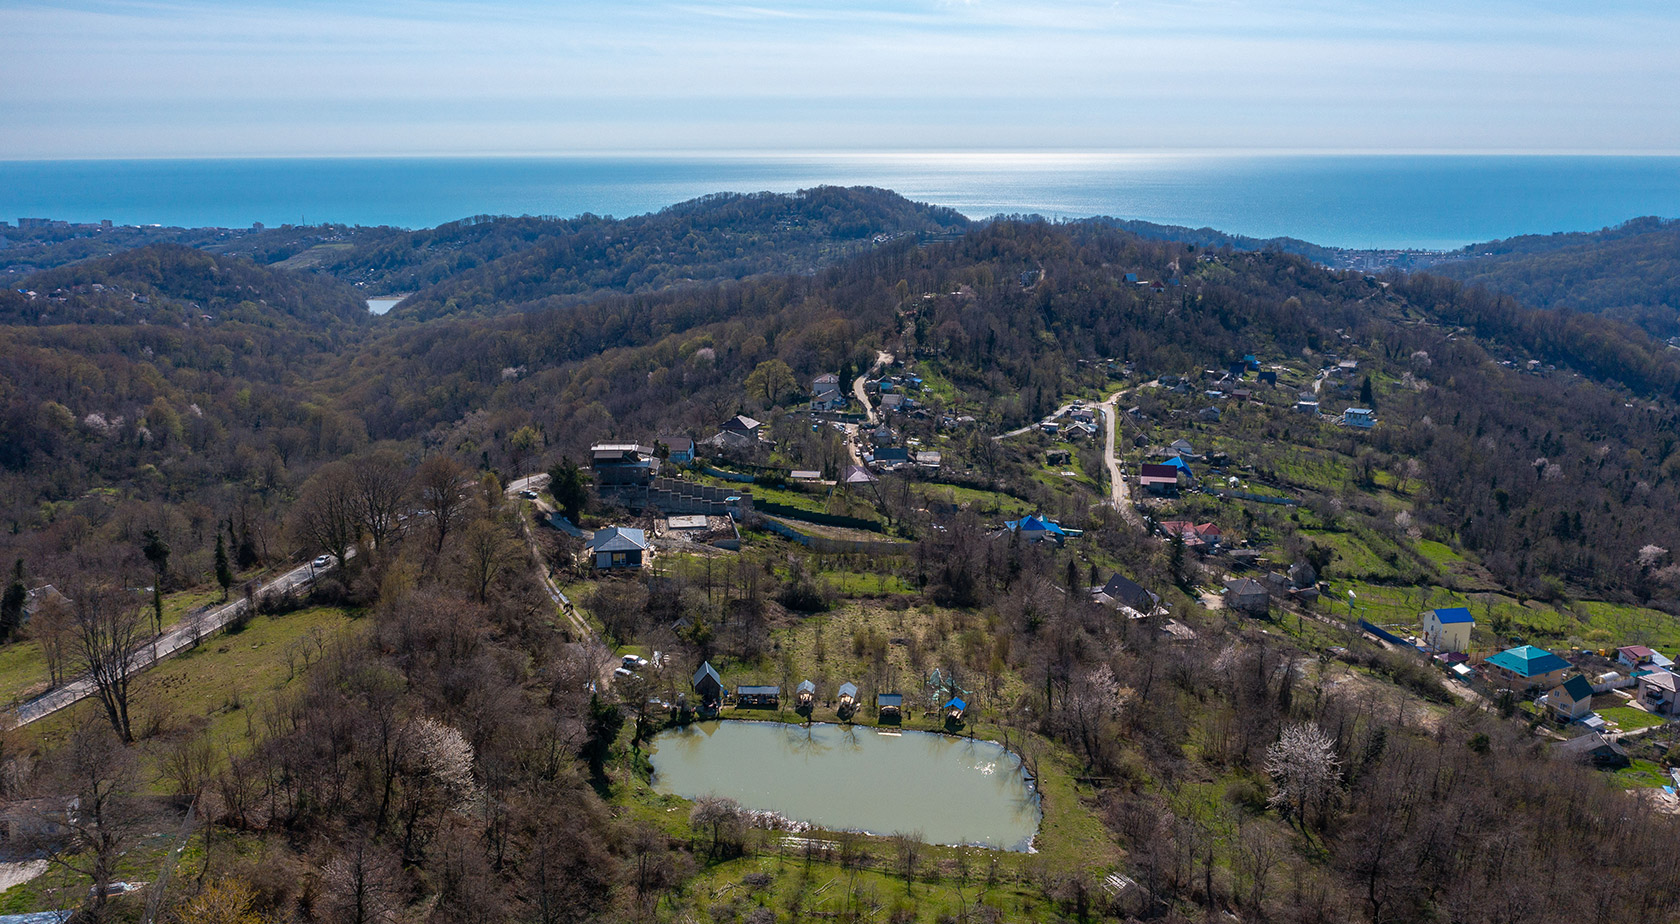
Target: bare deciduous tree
721,819
907,848
486,551
107,630
325,516
89,836
381,484
439,485
363,885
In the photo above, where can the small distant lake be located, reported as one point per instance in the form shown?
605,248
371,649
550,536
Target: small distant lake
382,305
849,778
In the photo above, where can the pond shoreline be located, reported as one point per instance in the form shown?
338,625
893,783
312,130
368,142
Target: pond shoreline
880,781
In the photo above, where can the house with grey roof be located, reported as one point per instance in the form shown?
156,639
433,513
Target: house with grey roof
618,547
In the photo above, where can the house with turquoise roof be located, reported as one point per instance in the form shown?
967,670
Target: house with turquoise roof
1525,668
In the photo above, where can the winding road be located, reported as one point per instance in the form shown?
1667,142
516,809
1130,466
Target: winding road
573,617
882,358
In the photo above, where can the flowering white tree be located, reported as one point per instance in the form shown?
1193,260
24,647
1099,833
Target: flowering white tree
446,756
1304,767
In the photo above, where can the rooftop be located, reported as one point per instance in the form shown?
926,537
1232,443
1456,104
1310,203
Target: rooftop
1528,661
618,539
1245,586
1577,688
1454,614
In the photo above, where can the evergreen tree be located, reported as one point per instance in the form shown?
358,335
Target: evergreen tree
602,725
1175,561
11,604
224,572
156,552
244,547
1366,396
571,494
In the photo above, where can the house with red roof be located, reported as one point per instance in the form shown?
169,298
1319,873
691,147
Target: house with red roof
1195,535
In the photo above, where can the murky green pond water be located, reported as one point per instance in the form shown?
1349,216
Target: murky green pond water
951,790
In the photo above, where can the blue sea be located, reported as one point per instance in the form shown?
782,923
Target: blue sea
1435,202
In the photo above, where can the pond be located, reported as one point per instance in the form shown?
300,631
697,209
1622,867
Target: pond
384,303
848,778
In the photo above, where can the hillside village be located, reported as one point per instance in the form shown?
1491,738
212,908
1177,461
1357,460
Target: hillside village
682,489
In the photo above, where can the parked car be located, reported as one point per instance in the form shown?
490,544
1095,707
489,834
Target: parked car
635,662
528,494
321,561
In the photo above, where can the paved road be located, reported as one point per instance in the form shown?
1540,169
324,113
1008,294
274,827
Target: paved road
176,637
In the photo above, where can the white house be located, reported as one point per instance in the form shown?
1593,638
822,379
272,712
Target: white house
1448,629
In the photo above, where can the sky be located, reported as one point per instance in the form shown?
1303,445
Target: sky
181,78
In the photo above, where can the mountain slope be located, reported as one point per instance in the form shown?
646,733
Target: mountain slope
714,238
1630,272
173,284
1212,237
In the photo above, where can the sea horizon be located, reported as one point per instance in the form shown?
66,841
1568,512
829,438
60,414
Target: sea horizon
1429,201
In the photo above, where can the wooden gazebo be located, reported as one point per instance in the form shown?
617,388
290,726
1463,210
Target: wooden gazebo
848,700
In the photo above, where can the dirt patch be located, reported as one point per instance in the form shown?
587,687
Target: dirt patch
20,872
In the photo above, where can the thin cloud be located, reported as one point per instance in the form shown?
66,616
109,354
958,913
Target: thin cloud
110,78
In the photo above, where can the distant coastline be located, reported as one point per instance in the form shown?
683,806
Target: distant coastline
1426,202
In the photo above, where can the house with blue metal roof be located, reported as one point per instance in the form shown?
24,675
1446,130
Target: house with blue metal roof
1526,668
1038,529
1448,629
954,709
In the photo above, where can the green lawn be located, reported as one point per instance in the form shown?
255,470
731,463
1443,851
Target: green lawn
986,504
217,689
1618,624
23,665
1438,553
856,584
1355,557
1627,718
1644,774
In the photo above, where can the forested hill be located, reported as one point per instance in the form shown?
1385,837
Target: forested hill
1452,358
1214,238
714,238
1630,272
1448,362
172,284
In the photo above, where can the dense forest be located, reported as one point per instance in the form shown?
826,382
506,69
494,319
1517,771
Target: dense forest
445,744
1630,272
